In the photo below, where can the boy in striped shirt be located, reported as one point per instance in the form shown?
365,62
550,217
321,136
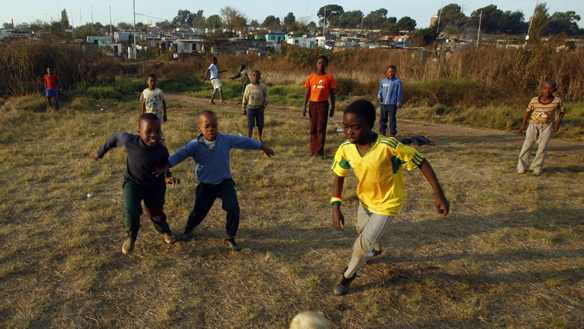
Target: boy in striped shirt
377,161
542,111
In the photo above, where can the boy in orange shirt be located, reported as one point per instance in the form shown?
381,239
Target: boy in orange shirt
52,82
319,86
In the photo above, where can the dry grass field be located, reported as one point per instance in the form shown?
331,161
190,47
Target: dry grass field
509,255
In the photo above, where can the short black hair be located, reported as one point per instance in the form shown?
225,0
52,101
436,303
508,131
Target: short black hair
153,76
552,82
363,108
148,116
323,57
258,71
243,66
208,112
214,58
392,66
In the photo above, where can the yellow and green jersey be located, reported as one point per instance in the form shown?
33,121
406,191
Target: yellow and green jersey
379,171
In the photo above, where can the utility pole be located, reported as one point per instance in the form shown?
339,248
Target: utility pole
479,31
80,18
58,12
111,27
439,16
323,23
134,50
91,17
530,22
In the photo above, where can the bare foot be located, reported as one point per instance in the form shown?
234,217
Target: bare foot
211,103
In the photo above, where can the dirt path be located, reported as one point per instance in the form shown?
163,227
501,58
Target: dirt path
561,152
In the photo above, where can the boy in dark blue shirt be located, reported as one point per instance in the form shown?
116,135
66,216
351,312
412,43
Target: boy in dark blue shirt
211,154
145,155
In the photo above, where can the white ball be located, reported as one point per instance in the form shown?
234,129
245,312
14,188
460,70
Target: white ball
89,195
309,320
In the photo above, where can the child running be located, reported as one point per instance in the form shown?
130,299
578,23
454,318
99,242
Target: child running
377,162
52,84
255,99
153,101
319,86
389,96
210,150
213,75
145,155
542,111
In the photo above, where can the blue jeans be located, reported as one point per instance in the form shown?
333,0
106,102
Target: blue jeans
388,111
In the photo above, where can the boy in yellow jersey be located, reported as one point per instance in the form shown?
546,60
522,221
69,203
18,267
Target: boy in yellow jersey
377,162
542,111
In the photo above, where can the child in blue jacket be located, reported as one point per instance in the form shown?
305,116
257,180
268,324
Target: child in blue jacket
389,96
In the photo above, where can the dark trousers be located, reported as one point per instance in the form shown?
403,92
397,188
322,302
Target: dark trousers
132,195
388,112
318,112
205,196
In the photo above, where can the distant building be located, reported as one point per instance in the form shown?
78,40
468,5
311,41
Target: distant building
99,39
434,20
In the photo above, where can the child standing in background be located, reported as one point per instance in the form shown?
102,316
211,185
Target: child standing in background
52,83
542,111
389,96
255,99
213,75
244,78
153,101
319,86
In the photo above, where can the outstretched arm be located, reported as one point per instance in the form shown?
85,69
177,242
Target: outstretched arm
333,100
338,218
268,151
442,204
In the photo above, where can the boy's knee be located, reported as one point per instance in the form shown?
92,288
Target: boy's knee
157,216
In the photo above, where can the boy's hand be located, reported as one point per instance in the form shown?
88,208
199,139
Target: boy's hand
442,205
379,100
164,118
268,151
162,170
172,180
338,218
556,127
332,112
95,155
261,109
522,129
243,112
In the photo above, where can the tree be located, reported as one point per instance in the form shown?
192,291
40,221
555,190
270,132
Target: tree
539,22
165,25
254,23
183,18
270,21
564,22
424,37
406,23
391,26
214,21
376,19
351,19
125,26
452,15
64,19
289,19
516,24
311,25
7,26
492,21
331,13
232,18
199,19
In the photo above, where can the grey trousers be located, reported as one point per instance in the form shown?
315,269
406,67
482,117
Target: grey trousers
540,134
370,227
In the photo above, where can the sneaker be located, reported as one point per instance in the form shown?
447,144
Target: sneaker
536,173
311,154
224,101
230,243
169,238
186,236
342,287
128,246
520,171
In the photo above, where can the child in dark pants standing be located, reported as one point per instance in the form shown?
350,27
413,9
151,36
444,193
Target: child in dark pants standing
319,86
389,96
145,155
210,150
255,100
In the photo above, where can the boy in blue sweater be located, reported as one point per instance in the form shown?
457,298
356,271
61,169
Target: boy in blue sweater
389,95
210,150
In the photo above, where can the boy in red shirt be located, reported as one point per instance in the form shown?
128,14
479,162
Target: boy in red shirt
51,82
319,86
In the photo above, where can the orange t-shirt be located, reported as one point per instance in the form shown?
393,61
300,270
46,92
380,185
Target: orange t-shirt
51,81
320,86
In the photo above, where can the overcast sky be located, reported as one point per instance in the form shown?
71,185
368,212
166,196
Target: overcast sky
80,11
